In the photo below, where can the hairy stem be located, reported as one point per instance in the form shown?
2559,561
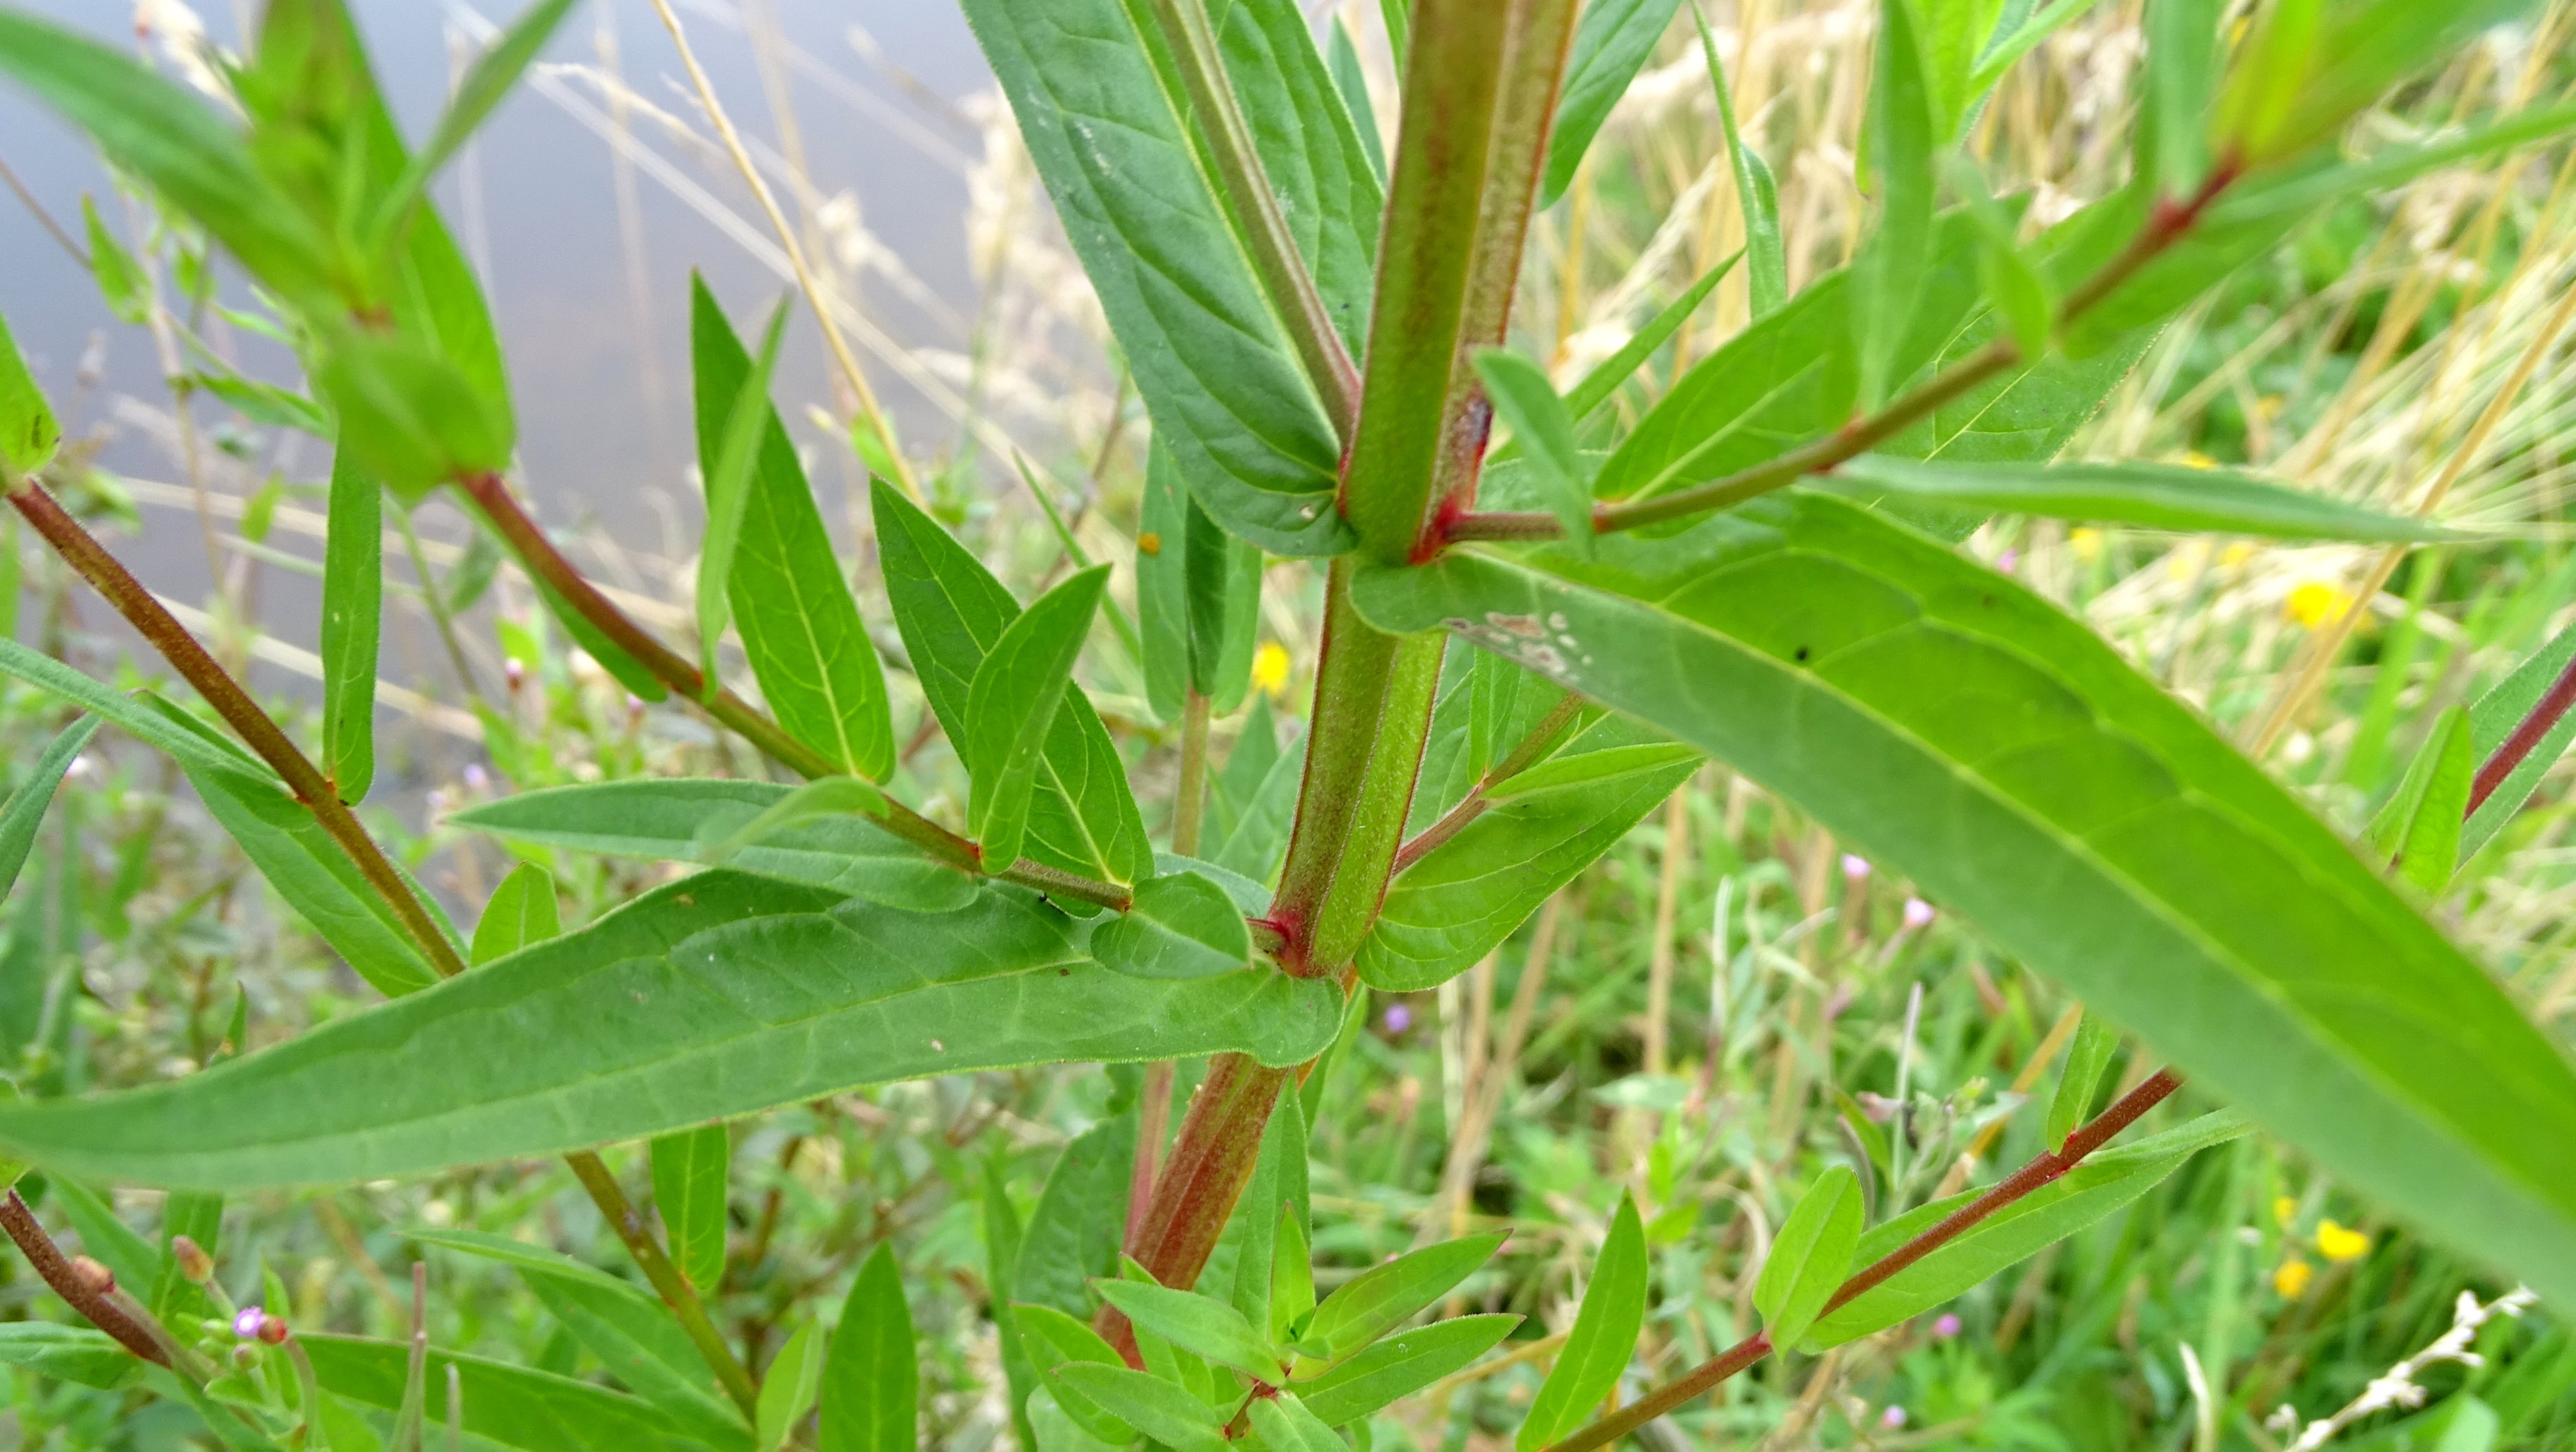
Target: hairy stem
2528,733
2049,1167
112,580
538,555
1248,195
1195,1193
1154,1105
57,1271
667,1282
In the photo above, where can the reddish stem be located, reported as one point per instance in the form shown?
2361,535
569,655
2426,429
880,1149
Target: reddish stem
89,1300
2050,1166
2527,735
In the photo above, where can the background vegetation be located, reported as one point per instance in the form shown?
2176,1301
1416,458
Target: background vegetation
1719,1005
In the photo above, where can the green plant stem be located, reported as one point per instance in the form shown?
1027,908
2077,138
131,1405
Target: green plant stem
2166,225
436,599
538,555
667,1282
175,645
57,1272
1254,204
2046,1169
166,635
1538,743
1426,252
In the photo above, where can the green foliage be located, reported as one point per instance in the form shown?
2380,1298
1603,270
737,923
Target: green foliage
2147,496
690,1171
1544,425
1198,597
1181,925
1012,706
869,1380
353,587
24,810
28,430
1809,1256
1611,41
1604,1335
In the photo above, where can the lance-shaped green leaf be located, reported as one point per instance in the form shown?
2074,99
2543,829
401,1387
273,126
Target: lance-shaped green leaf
1287,1424
1611,41
1182,925
1198,598
24,811
69,1353
303,861
165,135
1204,1327
2086,1060
1055,1339
1101,109
952,612
1292,1277
1342,58
783,586
1898,140
507,1406
1604,1335
727,455
2184,63
2308,69
2491,723
1809,1256
521,911
121,284
2016,287
711,998
1383,1297
353,589
1965,733
871,1380
622,1324
689,1173
1465,896
28,430
1544,425
1080,1220
2105,1182
2035,25
1310,148
484,84
1011,709
761,827
788,1388
2148,496
1163,1411
1952,36
2419,830
1397,1366
1757,193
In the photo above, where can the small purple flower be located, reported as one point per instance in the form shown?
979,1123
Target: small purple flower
1945,1326
1855,867
1918,914
1893,1419
513,671
476,778
2005,562
248,1322
1877,1107
1398,1018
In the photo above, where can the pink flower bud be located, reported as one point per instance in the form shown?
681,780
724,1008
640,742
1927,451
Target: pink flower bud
2010,557
249,1322
194,1263
1855,867
1918,913
1945,1326
1893,1418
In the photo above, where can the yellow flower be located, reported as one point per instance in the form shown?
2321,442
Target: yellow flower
2186,559
2198,460
2285,1210
2236,554
2086,542
2291,1280
2339,1243
1270,667
2317,602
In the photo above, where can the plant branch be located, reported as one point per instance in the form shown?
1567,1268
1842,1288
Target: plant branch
538,555
1246,191
185,655
112,580
2046,1169
1537,744
2528,733
68,1283
2169,223
667,1282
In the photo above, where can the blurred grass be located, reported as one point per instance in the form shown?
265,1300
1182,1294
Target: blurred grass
1706,1068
